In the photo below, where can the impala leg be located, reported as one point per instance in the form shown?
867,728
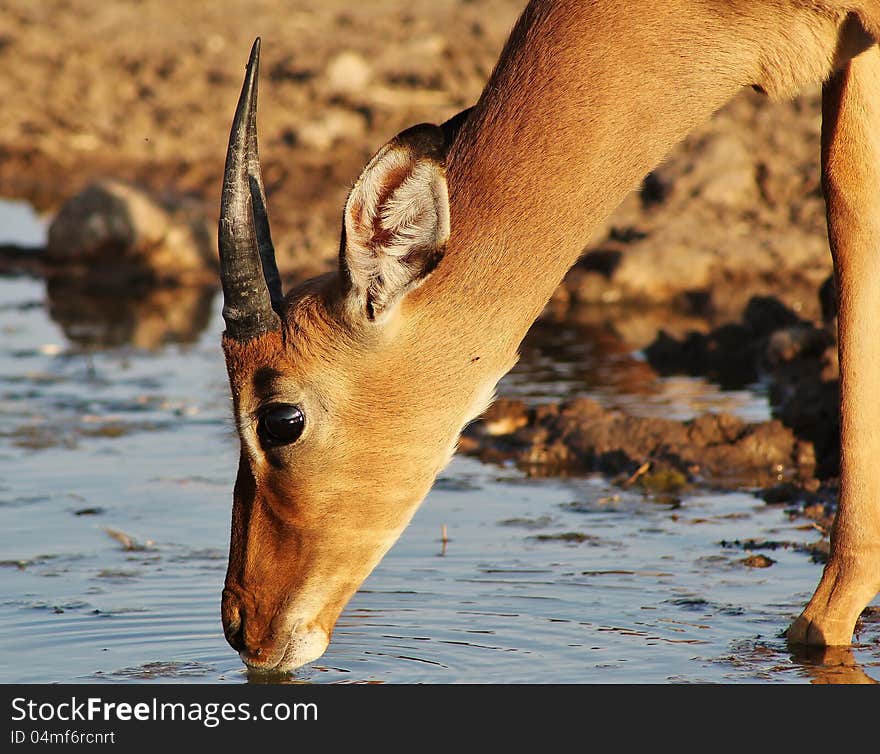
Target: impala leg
851,177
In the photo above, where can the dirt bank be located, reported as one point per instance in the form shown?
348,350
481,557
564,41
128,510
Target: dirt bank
792,458
144,92
795,357
735,211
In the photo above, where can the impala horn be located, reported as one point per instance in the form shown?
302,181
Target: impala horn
252,296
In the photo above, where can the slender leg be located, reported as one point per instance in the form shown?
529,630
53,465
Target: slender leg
851,177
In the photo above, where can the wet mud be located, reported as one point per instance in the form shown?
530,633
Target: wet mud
791,457
581,435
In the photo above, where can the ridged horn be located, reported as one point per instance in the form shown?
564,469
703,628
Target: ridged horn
251,285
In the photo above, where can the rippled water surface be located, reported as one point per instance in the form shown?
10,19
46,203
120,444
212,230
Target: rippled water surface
116,471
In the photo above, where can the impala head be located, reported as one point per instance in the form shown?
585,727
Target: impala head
344,420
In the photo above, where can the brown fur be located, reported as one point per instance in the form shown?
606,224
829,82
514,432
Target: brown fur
586,98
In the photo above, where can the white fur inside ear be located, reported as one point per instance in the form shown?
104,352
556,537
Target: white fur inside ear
369,187
417,213
398,207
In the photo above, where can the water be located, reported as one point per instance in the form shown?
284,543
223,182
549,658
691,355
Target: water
20,224
565,361
117,459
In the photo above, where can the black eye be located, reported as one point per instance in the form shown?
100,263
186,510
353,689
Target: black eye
280,425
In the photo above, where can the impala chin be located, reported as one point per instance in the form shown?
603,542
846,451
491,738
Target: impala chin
302,647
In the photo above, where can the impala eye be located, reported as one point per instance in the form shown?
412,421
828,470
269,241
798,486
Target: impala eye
280,425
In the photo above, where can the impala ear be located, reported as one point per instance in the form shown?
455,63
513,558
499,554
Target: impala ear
396,221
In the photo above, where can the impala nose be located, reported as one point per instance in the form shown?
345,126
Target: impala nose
253,653
233,621
300,642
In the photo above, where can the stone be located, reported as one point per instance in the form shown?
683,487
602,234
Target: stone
113,231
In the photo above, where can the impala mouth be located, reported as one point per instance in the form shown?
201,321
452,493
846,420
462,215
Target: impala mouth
255,665
300,649
262,660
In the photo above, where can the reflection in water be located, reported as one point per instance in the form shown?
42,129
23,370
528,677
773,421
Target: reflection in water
145,317
600,360
571,357
830,665
271,678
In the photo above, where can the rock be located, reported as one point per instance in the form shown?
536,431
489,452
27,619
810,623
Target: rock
728,172
505,416
757,561
800,342
348,73
663,481
333,126
115,232
661,270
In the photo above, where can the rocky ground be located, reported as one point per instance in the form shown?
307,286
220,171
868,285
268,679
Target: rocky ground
729,230
791,458
144,91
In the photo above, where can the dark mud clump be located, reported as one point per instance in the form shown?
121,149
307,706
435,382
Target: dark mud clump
793,458
797,358
818,551
569,537
153,670
580,435
757,561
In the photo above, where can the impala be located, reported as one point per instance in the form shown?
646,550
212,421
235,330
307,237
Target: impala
350,392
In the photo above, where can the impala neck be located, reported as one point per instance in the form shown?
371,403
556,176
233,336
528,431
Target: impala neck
586,98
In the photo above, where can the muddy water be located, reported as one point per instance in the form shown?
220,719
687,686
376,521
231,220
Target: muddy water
116,468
